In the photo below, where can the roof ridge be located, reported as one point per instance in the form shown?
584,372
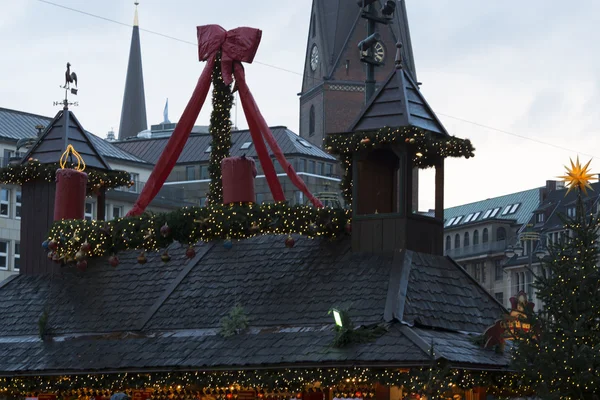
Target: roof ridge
493,198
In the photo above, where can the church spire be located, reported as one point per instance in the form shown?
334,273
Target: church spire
133,112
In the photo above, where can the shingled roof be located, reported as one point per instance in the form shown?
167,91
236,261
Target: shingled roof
399,103
173,310
197,146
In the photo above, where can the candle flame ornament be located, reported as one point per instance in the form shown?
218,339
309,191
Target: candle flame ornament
578,176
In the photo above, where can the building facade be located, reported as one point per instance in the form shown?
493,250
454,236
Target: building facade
499,241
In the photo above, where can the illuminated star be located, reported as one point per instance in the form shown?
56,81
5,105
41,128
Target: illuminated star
578,176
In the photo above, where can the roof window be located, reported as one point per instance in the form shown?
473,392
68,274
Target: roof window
208,149
476,215
514,208
494,212
487,214
457,220
304,143
246,145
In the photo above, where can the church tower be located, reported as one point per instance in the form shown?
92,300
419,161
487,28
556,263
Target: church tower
333,88
133,112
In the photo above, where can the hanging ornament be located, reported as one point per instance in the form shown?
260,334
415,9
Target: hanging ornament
165,257
113,261
406,140
228,244
56,257
86,247
290,242
412,140
45,245
254,227
365,141
81,265
165,230
190,252
80,256
50,255
141,259
53,245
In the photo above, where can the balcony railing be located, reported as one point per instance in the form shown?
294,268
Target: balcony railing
481,248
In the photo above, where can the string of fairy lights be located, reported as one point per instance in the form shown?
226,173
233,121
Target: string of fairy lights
220,131
33,170
274,384
425,148
75,240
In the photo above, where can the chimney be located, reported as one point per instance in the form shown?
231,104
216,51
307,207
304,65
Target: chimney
38,195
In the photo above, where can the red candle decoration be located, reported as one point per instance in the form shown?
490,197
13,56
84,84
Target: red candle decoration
238,175
69,200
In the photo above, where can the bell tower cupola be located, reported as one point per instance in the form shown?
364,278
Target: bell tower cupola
395,133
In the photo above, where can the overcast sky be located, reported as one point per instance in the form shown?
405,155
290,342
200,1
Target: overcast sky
530,68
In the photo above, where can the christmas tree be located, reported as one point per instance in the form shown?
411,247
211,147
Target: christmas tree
559,356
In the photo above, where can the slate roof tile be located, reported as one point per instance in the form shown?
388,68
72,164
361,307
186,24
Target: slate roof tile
286,294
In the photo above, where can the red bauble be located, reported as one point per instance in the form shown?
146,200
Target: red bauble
113,261
56,258
82,265
348,228
86,247
53,245
190,252
80,255
165,230
290,242
165,257
142,258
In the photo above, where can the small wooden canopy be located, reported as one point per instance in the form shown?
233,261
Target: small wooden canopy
65,129
398,103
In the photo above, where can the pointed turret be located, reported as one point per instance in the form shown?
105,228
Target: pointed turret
133,112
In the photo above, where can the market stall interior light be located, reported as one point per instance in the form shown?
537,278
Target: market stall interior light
337,316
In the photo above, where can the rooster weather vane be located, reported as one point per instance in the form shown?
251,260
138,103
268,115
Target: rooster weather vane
70,78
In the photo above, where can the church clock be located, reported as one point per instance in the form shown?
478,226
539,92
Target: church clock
379,52
314,57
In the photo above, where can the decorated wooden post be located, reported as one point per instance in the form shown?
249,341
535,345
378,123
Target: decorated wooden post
54,186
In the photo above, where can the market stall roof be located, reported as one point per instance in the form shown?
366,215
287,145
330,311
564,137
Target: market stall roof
166,315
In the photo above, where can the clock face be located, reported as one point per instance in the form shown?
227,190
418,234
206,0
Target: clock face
378,52
314,57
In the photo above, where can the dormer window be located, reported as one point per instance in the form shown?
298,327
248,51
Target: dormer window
539,218
571,212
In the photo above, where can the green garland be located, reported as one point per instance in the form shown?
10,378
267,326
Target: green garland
220,130
189,225
33,170
344,381
425,147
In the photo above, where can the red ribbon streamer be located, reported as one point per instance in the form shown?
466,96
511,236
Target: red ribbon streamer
237,46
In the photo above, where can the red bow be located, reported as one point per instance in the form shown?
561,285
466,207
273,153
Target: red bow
236,45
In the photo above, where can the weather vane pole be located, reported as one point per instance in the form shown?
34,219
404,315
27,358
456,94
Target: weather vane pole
70,77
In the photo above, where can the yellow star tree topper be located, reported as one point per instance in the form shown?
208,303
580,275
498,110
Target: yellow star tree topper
578,176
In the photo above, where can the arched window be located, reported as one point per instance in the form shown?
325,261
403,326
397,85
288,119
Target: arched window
311,121
314,26
500,234
484,238
475,237
448,243
457,241
466,240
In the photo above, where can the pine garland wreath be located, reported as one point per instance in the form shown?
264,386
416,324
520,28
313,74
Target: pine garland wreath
220,131
189,225
426,148
34,170
289,380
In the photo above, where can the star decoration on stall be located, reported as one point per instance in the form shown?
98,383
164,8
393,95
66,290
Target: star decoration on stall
578,176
